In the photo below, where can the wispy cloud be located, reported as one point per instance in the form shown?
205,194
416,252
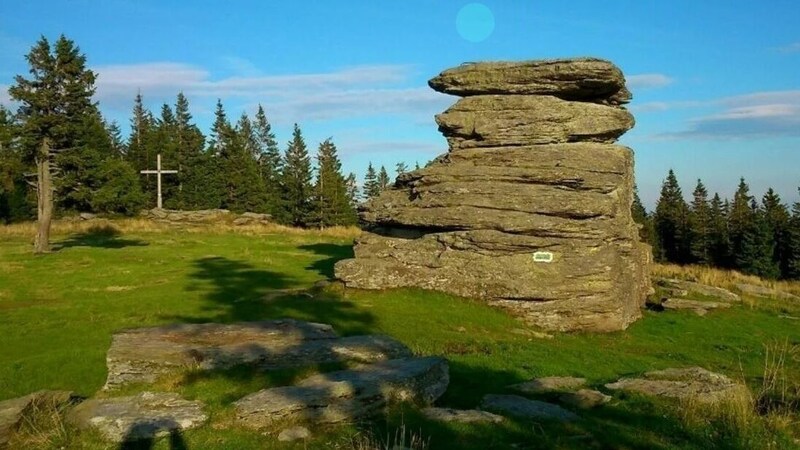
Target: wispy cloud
756,115
350,92
5,99
648,81
794,47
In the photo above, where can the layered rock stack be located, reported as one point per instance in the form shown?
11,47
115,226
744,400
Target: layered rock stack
530,208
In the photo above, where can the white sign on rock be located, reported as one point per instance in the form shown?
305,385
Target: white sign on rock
543,257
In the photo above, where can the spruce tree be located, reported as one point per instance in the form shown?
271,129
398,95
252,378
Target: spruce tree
332,203
371,188
401,168
193,165
139,153
640,216
793,254
269,161
700,226
757,247
720,242
741,220
777,218
383,179
14,201
671,222
352,190
115,137
296,181
54,103
219,129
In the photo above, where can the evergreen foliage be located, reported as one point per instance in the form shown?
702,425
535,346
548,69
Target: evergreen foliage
700,226
371,188
332,201
383,179
296,181
671,222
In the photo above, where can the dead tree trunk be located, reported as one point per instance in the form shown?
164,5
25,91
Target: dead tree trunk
44,200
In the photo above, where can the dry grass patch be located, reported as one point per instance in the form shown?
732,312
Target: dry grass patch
721,277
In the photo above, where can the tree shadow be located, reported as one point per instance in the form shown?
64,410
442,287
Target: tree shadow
143,435
101,236
333,254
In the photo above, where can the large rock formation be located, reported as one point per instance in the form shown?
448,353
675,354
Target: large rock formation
530,208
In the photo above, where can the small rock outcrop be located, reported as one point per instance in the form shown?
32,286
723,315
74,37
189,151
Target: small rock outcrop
14,411
693,383
514,405
292,434
461,415
683,288
700,308
549,384
143,416
530,208
584,399
143,355
761,291
347,395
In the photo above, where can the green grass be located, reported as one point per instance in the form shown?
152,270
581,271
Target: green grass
58,312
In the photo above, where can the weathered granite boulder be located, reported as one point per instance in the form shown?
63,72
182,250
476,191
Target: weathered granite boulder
514,405
549,384
143,416
347,395
461,415
693,383
14,411
693,287
585,79
529,210
584,399
145,354
700,308
765,292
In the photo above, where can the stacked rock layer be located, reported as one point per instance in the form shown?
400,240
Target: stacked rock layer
530,208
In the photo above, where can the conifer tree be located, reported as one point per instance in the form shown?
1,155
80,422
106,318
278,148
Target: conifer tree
700,226
352,190
757,247
793,256
332,204
269,161
640,216
383,179
671,222
401,168
720,242
142,124
777,218
115,137
741,220
195,169
14,201
219,129
54,103
296,181
371,188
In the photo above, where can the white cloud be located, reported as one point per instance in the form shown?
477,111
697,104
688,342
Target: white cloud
755,115
647,81
355,91
794,47
5,99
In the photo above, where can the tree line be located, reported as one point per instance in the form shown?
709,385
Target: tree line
756,236
58,155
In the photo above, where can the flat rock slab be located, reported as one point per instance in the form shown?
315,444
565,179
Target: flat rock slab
294,434
549,384
143,416
13,411
698,307
145,354
699,288
693,383
573,79
347,395
584,399
514,405
461,415
766,292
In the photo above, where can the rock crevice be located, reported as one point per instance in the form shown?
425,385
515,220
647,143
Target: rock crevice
530,208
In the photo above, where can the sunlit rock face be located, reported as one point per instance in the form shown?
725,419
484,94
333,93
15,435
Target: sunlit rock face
530,209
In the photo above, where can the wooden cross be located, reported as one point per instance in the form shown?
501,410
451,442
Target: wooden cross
158,173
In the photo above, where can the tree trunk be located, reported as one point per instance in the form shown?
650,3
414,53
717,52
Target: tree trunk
44,200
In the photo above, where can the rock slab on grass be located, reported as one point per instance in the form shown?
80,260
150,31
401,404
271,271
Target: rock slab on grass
514,405
294,434
549,384
13,411
143,416
347,395
461,415
766,292
700,308
698,288
584,399
693,383
142,355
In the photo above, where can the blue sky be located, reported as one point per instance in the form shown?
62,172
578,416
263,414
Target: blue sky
715,82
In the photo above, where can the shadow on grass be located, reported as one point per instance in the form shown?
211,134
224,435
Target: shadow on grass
142,436
332,254
99,237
